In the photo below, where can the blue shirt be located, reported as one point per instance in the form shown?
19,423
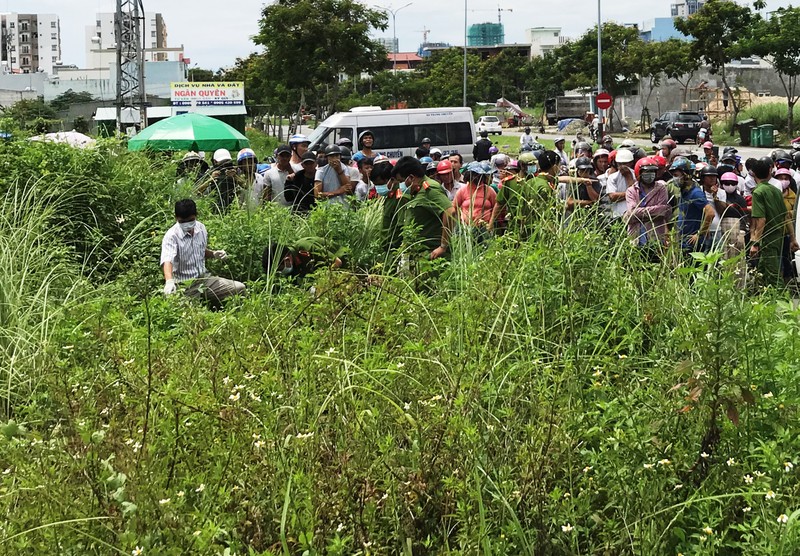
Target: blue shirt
690,213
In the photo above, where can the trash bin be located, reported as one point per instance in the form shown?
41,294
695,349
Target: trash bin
744,131
768,135
754,139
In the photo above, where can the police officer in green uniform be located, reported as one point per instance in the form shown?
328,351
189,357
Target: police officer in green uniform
769,223
426,205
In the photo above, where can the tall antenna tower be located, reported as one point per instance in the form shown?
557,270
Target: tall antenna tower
128,25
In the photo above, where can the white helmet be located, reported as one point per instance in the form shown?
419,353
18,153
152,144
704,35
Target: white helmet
298,138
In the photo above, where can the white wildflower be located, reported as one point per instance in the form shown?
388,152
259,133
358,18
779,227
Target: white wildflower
783,519
567,528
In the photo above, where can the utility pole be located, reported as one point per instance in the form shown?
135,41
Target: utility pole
465,52
599,71
129,28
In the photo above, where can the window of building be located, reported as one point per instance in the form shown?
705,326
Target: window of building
23,26
54,36
54,48
13,60
153,34
13,48
24,38
11,24
26,61
54,25
25,49
55,59
153,45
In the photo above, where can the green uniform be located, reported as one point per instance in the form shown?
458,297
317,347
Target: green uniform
768,204
523,199
425,209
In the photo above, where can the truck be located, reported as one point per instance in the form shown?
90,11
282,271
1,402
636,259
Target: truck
563,107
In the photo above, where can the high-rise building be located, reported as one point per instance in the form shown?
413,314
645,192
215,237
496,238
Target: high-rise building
392,45
686,7
486,34
30,42
101,38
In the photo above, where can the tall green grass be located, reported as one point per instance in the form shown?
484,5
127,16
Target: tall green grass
37,280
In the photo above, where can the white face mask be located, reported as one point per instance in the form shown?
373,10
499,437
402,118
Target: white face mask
784,184
729,188
188,226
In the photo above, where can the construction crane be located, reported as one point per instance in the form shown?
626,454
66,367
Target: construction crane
129,30
425,32
499,12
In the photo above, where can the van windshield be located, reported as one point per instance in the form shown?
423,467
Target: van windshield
318,135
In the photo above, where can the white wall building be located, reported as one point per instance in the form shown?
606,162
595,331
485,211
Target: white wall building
29,43
101,39
544,40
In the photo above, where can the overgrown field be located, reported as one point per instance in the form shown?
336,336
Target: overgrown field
556,396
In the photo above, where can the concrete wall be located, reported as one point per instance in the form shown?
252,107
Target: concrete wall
157,75
669,95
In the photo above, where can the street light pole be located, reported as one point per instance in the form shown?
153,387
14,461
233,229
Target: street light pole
465,53
394,35
599,70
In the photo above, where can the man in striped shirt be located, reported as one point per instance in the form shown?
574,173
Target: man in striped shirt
184,251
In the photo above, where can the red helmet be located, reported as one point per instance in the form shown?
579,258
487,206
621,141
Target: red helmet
660,161
444,167
612,156
669,143
646,162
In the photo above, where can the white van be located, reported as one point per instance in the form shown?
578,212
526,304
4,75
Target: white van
399,132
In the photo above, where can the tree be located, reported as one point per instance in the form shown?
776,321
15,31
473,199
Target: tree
621,67
200,74
778,42
309,45
678,62
34,114
443,78
720,34
70,97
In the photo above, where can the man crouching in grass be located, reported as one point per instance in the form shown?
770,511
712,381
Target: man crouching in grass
184,251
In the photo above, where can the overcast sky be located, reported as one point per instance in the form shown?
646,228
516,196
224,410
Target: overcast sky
215,33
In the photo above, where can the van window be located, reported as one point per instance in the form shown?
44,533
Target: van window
437,133
391,136
459,134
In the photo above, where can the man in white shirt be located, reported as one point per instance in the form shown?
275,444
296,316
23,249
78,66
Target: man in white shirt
619,182
276,176
184,251
559,148
526,140
333,181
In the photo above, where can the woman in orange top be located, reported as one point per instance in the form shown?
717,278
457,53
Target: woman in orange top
475,202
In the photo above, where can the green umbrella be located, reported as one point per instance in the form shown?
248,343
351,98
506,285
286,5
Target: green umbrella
188,132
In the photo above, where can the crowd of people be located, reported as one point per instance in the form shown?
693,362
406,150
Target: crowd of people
705,203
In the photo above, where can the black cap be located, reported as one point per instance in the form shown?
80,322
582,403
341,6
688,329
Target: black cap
308,156
548,159
283,149
333,149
